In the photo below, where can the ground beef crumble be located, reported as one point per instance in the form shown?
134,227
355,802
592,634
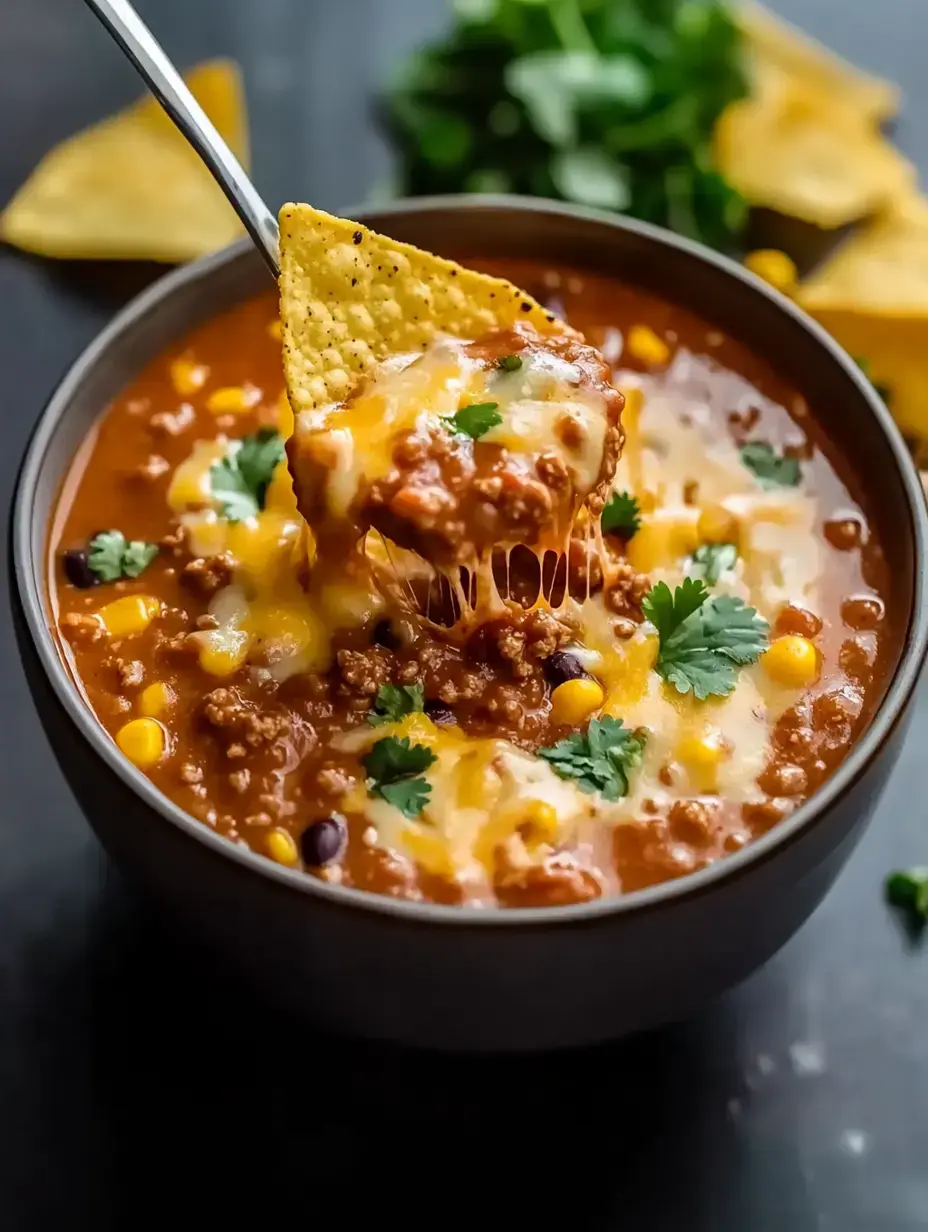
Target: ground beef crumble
226,711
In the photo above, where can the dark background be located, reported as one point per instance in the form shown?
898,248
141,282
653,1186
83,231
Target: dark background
138,1089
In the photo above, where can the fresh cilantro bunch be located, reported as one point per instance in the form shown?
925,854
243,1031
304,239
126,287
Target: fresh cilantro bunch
111,556
608,103
393,768
600,759
241,479
704,638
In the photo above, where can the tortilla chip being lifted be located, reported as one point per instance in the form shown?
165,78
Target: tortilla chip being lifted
131,187
350,298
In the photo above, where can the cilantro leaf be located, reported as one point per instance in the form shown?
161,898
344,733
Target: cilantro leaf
112,556
622,515
410,796
600,759
240,480
711,560
771,468
703,639
509,363
392,766
394,703
476,420
908,889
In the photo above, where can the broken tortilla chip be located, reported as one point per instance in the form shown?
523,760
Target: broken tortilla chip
131,187
872,296
350,298
774,44
882,268
793,149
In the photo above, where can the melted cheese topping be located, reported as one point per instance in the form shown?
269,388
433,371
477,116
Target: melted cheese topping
354,441
486,796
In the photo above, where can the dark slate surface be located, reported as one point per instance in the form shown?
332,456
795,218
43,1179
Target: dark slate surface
136,1089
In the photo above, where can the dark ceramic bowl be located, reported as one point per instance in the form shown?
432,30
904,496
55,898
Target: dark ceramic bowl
469,978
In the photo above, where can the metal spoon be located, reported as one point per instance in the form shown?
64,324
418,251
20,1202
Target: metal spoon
168,87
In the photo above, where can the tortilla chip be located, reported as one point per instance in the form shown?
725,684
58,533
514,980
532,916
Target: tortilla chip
882,269
793,149
774,44
350,297
131,187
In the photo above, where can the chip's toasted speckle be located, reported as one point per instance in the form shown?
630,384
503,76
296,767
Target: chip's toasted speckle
350,297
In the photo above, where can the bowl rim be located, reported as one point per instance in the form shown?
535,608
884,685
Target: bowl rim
883,722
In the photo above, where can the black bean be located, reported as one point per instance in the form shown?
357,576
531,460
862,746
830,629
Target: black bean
322,841
77,569
438,712
382,635
563,666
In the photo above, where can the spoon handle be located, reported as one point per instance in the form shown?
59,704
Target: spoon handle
167,85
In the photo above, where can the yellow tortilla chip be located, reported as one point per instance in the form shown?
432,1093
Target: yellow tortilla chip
774,44
881,269
131,187
793,149
350,297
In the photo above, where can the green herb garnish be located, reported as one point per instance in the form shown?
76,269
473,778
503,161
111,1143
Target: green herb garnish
908,889
609,103
509,363
112,556
622,515
240,480
476,420
599,760
711,560
703,639
394,702
771,468
392,766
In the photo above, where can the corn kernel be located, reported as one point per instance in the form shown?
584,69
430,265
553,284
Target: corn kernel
223,651
130,615
156,699
645,345
702,755
282,848
774,267
540,824
792,661
575,700
233,400
717,525
143,741
187,377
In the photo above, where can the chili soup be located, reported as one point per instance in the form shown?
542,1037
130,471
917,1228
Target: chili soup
649,689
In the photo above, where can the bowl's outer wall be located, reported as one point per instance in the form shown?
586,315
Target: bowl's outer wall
487,987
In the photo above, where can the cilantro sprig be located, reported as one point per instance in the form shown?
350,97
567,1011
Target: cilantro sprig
711,560
393,768
395,702
611,105
509,363
703,639
475,420
599,759
622,515
908,890
774,470
241,479
112,556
